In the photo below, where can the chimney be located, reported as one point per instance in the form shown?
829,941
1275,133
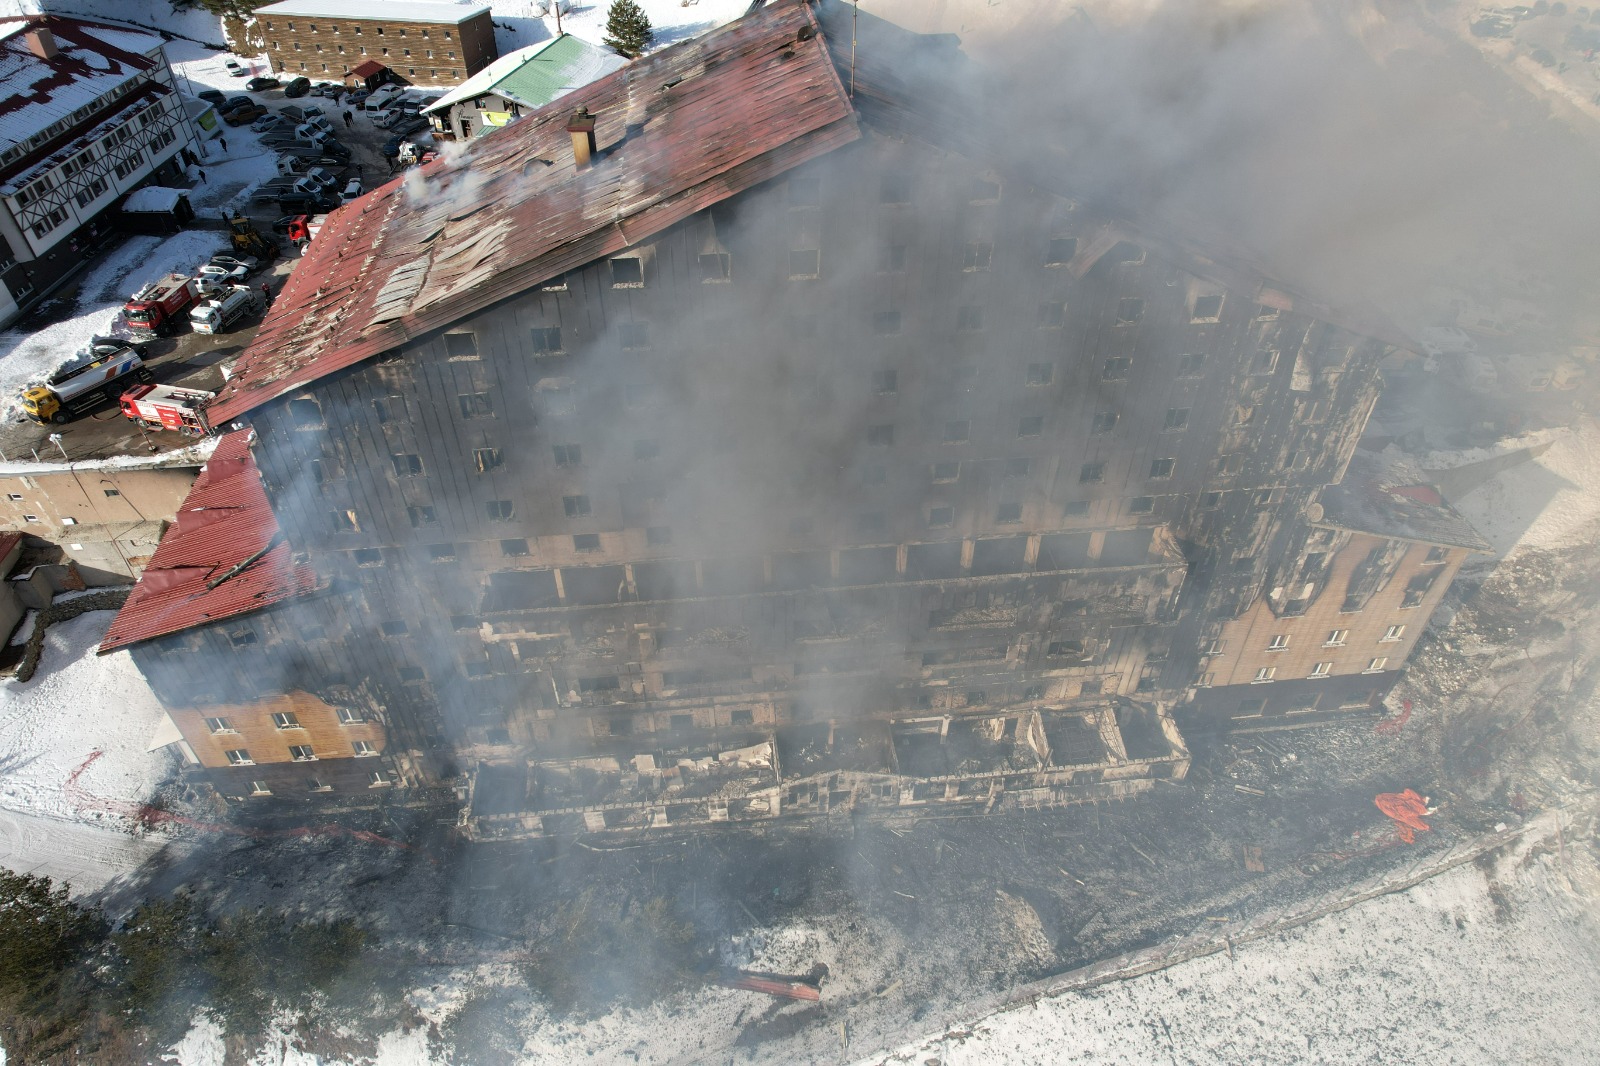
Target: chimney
581,126
41,42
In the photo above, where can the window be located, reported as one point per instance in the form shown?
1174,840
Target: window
880,435
645,449
984,191
1435,555
946,471
805,192
565,454
1321,670
627,272
575,506
242,638
546,340
514,548
1177,418
1191,365
420,514
487,459
17,496
607,683
586,542
886,322
805,263
1091,472
363,748
1031,426
302,753
219,725
407,465
368,556
1160,469
1278,642
938,517
442,553
461,345
635,335
1062,250
1041,373
1008,513
500,510
1393,633
239,757
286,720
350,716
1377,665
1052,314
715,267
1017,467
658,536
306,413
884,381
969,318
1130,309
1206,309
345,521
260,788
741,718
411,674
1336,638
476,405
1116,368
1265,362
394,628
957,432
1265,674
892,259
1076,509
976,256
895,189
1104,422
1142,505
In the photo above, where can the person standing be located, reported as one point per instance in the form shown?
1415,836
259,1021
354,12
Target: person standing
202,174
224,142
349,119
266,293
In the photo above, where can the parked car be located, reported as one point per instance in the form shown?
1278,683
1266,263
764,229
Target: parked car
357,96
228,261
222,275
315,112
352,190
297,87
321,88
215,97
406,127
234,101
281,225
235,68
257,85
265,123
241,115
391,147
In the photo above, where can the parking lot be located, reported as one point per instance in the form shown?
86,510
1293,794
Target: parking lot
195,360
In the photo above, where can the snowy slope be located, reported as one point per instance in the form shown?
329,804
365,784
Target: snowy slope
1460,969
77,704
1551,502
518,23
197,24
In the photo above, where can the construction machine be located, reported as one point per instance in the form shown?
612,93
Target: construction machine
247,240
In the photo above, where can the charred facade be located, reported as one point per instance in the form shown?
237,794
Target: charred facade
875,480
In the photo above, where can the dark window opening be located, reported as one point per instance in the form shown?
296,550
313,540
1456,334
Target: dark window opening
565,454
884,381
1091,472
500,510
1008,513
1032,426
977,256
1116,368
1130,309
957,432
1177,418
1104,421
306,414
394,628
1041,373
1062,250
460,345
1142,505
515,547
627,272
575,506
407,465
368,556
546,340
805,263
1162,468
476,405
586,542
1207,308
880,435
635,335
715,266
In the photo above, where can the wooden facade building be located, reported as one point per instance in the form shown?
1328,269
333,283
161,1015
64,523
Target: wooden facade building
424,42
773,462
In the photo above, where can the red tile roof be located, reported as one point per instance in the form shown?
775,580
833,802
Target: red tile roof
678,131
368,69
225,521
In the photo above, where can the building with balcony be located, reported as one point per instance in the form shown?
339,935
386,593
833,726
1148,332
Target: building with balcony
88,113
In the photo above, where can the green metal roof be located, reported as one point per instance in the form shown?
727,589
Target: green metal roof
564,65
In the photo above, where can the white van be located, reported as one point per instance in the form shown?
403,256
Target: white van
380,99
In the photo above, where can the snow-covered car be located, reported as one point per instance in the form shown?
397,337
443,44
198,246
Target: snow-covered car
233,262
352,189
265,123
215,274
235,68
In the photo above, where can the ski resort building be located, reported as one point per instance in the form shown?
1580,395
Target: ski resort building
743,436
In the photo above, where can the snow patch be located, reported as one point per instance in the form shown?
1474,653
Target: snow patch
202,1045
1550,502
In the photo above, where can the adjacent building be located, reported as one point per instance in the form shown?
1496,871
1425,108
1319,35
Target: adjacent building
88,113
424,42
523,81
716,444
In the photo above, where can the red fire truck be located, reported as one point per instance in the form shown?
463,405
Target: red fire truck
166,407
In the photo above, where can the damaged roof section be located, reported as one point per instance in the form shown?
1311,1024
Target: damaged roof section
223,556
676,132
1387,496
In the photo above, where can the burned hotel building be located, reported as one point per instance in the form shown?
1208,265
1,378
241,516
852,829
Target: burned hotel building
737,439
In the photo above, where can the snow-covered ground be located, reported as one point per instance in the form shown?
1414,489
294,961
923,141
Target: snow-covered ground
77,704
518,22
196,23
1551,502
1475,968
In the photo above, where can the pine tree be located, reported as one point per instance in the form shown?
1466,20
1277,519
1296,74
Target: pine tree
627,29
